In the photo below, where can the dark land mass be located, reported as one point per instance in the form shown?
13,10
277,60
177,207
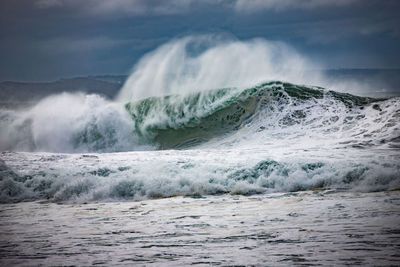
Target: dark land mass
13,93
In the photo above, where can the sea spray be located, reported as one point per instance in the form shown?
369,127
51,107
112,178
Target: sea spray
197,63
68,123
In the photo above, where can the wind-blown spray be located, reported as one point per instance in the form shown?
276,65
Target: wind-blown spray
198,63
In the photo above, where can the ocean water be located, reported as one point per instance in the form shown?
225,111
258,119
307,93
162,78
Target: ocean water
279,229
176,172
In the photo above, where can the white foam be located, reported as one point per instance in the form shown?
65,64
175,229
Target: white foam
68,123
154,174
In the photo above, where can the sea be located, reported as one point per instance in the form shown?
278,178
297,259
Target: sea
183,169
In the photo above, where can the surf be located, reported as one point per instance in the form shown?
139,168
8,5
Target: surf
202,116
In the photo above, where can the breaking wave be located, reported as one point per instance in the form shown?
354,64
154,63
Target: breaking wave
276,108
144,175
92,124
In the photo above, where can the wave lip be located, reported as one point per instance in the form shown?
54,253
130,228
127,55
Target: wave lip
199,63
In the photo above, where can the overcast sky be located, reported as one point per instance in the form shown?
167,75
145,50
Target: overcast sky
51,39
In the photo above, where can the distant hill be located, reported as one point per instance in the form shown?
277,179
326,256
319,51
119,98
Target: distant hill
375,82
14,93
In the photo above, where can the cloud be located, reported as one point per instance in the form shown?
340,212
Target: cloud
49,3
169,7
390,26
326,32
67,45
250,6
122,7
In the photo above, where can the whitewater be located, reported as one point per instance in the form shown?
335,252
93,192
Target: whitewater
205,129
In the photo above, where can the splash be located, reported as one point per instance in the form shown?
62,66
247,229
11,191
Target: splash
68,123
198,63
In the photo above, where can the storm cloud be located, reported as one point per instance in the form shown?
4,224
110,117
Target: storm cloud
49,39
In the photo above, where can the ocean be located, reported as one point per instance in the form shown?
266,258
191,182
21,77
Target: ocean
265,173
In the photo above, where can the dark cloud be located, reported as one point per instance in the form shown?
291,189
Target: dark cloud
251,6
48,39
162,7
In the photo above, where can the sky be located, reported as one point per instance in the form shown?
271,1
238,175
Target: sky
50,39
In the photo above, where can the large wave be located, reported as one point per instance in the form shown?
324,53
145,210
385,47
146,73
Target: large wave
278,109
175,84
269,110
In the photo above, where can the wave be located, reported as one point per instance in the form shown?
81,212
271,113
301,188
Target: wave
182,121
69,123
126,176
88,123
